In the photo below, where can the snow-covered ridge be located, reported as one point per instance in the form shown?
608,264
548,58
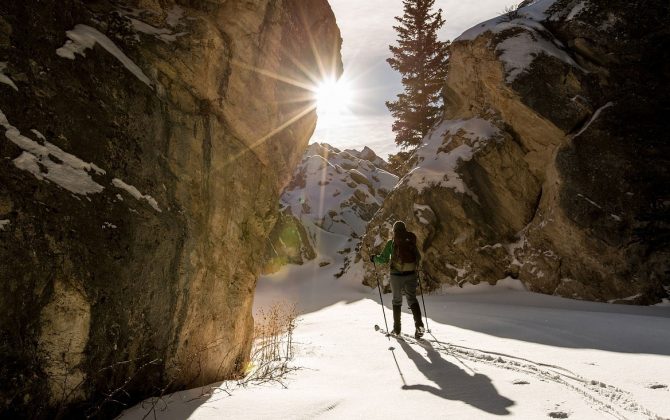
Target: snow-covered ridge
333,195
49,162
438,159
518,52
337,190
83,37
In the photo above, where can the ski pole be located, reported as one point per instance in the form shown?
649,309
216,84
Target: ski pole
381,300
425,313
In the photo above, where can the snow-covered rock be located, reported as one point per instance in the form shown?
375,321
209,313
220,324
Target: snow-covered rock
332,191
548,165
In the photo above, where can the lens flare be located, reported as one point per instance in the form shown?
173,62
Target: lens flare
333,97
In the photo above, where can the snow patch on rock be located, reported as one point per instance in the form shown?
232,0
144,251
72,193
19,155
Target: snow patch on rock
4,78
593,118
83,37
49,162
519,51
136,193
66,171
579,8
528,15
438,167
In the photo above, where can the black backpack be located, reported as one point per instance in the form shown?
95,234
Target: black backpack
404,256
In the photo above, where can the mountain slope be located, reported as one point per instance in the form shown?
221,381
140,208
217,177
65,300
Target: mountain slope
333,194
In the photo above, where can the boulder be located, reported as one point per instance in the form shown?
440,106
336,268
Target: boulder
144,145
550,164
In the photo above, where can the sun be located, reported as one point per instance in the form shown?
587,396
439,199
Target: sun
333,97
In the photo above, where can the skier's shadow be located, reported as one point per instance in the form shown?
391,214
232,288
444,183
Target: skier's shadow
454,383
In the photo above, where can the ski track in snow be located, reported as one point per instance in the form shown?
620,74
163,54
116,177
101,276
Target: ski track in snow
606,398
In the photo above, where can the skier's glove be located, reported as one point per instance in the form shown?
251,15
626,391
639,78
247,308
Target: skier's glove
372,258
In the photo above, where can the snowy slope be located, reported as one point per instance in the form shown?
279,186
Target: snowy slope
334,194
493,351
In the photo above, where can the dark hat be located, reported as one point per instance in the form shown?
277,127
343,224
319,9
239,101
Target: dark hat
399,226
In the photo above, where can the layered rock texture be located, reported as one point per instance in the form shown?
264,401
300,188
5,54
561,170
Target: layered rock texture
144,146
551,163
327,205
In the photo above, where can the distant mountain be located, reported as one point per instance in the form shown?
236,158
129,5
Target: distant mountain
369,155
327,206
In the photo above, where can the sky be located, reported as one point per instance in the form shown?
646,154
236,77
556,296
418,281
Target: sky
367,31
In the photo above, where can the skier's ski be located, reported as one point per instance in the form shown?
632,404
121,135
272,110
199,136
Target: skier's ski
402,336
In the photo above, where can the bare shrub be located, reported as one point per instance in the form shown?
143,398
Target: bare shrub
273,344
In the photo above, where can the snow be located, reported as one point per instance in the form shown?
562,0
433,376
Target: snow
118,183
83,37
579,8
67,171
593,118
420,210
461,272
537,10
529,16
4,223
593,203
163,34
625,299
519,51
492,351
436,167
174,16
4,78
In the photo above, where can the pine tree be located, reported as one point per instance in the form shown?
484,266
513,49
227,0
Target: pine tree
421,59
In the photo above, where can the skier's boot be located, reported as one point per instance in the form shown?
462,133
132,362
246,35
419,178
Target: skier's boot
418,323
396,319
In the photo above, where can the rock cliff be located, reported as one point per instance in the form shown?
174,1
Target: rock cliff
143,145
551,162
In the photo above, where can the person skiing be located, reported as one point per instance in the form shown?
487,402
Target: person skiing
404,257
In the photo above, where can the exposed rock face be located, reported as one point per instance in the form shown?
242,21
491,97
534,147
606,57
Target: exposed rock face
144,146
327,205
369,155
551,164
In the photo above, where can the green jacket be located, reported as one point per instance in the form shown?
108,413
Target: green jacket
385,257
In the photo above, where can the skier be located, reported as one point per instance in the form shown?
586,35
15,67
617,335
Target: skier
404,257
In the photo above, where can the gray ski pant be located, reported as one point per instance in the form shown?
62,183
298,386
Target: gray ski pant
404,284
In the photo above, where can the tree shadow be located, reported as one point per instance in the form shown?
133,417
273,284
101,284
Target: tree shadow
453,383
